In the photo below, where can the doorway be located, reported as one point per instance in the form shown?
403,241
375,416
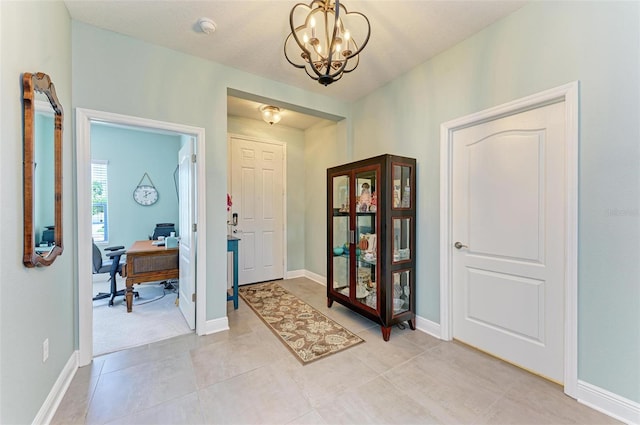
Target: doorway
466,312
84,120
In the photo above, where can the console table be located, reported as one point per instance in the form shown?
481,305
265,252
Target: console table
149,263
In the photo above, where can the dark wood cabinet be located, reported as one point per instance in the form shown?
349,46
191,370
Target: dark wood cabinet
371,227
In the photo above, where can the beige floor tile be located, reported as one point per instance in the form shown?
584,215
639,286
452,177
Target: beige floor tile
184,410
450,394
535,400
381,355
127,391
75,403
375,402
310,418
261,396
225,359
325,379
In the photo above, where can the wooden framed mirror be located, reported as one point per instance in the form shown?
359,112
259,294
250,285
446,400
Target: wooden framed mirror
42,174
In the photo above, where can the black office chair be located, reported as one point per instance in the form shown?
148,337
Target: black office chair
163,229
112,266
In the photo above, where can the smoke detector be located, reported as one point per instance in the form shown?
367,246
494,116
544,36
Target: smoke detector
206,25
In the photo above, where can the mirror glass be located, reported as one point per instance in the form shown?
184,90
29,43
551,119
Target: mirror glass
43,118
43,176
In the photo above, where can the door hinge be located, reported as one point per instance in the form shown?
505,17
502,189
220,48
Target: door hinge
193,157
194,227
193,297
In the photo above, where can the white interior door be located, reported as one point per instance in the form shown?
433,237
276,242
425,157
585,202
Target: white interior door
509,216
257,193
187,286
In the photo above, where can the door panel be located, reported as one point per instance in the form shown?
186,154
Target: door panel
492,230
257,179
508,209
187,261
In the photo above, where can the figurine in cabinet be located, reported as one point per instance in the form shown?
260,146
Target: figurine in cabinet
365,197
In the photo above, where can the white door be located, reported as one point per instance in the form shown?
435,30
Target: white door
257,196
509,215
186,173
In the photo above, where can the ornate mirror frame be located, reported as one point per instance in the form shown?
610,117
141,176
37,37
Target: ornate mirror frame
41,83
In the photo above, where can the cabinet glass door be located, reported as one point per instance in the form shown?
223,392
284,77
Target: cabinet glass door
401,186
401,291
365,238
340,227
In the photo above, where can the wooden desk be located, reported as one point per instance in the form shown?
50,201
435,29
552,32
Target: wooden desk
149,263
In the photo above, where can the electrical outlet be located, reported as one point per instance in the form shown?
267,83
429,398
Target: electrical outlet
45,350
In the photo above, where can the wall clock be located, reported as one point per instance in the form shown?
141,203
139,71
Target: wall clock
145,194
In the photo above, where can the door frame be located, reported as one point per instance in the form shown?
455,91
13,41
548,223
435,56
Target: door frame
284,185
84,120
569,94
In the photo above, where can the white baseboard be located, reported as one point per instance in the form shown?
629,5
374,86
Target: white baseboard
216,325
294,274
610,404
429,327
50,405
315,277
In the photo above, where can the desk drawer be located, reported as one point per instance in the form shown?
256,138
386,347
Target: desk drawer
151,263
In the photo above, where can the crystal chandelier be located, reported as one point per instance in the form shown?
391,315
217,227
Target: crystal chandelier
323,39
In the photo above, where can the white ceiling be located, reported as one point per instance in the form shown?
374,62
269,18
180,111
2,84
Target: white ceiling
250,34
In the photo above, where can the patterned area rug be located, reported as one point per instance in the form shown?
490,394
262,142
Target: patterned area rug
309,334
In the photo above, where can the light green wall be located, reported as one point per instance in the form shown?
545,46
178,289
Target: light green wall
131,153
35,303
120,74
323,149
541,46
294,140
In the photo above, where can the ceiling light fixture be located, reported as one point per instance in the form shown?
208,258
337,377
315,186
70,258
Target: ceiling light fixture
329,47
270,114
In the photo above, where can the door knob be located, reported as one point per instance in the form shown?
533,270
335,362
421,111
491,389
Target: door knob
459,245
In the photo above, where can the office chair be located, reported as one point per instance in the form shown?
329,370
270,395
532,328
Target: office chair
163,229
113,266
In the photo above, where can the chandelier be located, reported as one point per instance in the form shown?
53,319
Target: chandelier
323,39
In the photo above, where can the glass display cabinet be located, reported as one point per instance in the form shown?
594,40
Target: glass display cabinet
371,239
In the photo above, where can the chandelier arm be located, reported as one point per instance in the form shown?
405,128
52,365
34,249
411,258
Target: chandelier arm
287,56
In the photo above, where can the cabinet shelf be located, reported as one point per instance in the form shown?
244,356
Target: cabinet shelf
381,288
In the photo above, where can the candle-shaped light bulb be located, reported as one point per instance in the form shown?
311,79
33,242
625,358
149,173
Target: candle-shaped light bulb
312,23
305,38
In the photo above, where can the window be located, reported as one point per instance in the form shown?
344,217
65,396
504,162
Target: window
99,201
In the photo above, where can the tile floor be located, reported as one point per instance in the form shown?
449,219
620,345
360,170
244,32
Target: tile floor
246,376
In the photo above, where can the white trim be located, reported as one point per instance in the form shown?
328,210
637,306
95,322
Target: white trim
610,404
84,118
294,274
429,327
284,184
51,403
322,280
215,326
569,94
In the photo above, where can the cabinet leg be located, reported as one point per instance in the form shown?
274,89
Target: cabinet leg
386,332
329,302
412,324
